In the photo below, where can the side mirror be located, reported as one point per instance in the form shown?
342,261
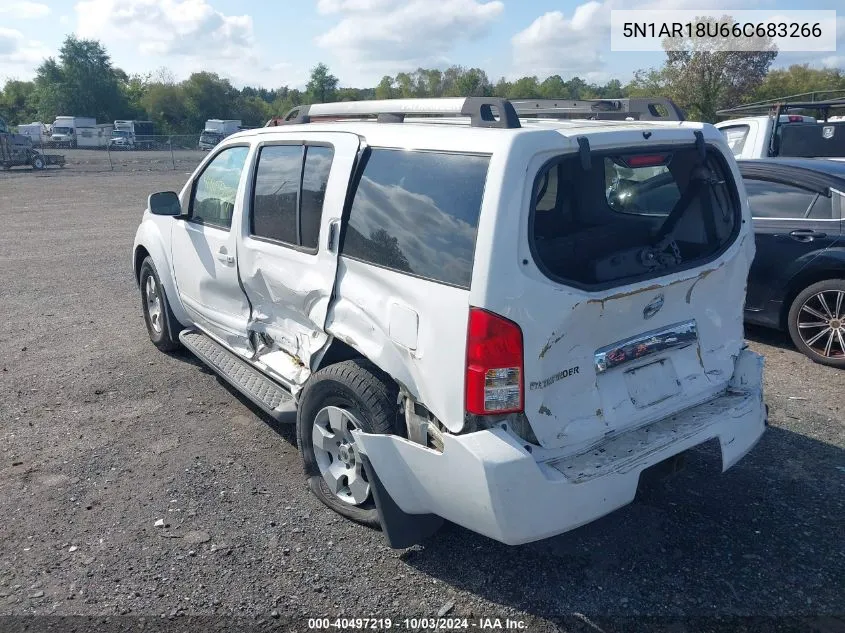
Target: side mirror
164,203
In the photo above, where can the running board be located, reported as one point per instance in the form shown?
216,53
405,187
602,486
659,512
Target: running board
271,397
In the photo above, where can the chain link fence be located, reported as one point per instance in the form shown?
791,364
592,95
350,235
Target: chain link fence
152,153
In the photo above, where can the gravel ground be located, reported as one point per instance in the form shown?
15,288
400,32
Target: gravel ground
103,436
97,160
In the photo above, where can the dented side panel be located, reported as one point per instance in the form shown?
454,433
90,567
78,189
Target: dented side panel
290,288
413,329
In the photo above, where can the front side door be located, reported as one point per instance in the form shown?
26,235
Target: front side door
290,234
792,226
204,251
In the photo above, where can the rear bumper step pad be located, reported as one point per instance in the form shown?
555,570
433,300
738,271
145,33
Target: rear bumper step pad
266,394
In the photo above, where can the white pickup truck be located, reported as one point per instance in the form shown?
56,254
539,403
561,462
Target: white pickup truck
794,135
471,316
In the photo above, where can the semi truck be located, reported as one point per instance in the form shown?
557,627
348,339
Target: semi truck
132,135
216,130
66,130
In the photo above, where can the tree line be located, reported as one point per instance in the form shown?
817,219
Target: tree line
83,81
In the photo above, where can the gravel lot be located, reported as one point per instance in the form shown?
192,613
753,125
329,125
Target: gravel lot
102,435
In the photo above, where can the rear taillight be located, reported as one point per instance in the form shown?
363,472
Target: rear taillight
796,118
494,369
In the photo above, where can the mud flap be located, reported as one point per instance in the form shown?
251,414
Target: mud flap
400,528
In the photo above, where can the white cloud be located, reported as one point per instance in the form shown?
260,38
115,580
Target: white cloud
168,27
19,56
390,35
578,45
24,10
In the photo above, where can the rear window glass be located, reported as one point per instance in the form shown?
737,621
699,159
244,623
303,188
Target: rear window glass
631,215
417,212
736,135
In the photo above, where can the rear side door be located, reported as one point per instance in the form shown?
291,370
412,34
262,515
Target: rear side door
288,255
204,251
793,224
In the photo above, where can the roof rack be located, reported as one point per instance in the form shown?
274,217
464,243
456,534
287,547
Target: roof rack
637,108
483,111
767,107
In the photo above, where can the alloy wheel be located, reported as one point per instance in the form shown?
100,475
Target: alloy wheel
821,323
153,301
337,455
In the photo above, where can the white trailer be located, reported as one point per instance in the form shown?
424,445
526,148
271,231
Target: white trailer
37,131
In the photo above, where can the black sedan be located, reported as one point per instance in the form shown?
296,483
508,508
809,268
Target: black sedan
797,280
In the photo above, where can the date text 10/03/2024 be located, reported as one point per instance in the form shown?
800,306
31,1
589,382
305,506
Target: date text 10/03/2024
416,624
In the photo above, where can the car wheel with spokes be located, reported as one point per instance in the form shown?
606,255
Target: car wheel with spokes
817,322
338,399
162,326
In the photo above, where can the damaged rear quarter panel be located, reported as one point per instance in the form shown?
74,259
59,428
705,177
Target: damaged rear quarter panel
361,316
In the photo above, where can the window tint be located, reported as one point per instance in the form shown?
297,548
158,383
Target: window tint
417,212
736,136
276,192
776,200
315,177
215,190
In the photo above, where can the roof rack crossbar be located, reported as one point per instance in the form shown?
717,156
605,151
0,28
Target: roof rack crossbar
640,108
483,111
766,107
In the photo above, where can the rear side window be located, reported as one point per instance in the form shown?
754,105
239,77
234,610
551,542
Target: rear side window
736,136
288,194
631,215
417,213
769,199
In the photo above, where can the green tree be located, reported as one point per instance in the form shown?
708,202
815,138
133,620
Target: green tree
322,86
82,82
799,79
385,89
208,96
17,102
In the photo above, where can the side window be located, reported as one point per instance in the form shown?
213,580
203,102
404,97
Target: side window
213,199
276,193
417,212
777,200
822,208
315,177
736,136
288,199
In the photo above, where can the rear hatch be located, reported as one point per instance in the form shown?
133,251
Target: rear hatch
637,312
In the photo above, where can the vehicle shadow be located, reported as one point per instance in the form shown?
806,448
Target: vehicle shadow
763,539
769,336
284,427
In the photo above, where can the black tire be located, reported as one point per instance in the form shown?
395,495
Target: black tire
38,163
362,389
166,336
802,309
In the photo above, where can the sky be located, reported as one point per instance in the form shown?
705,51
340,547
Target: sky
272,43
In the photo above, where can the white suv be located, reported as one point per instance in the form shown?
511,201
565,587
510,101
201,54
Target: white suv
496,321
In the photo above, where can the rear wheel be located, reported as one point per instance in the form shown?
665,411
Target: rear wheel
37,162
350,395
817,322
162,326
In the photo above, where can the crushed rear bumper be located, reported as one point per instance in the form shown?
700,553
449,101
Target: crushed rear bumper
489,483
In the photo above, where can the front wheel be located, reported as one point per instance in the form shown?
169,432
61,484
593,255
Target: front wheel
162,326
354,394
38,162
817,322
